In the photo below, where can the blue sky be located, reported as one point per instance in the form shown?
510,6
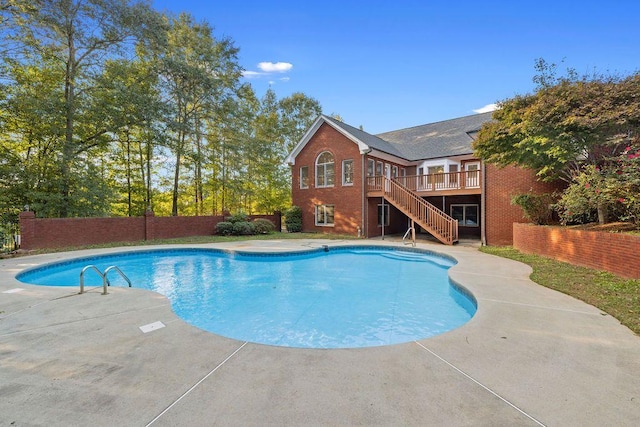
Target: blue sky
388,65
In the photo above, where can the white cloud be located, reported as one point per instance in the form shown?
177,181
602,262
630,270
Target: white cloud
487,108
251,74
284,79
275,67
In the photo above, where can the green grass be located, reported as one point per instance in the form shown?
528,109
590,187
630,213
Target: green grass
610,293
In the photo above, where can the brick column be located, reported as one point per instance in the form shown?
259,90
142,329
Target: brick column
277,216
27,231
149,231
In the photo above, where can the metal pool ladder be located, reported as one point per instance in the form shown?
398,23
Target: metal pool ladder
105,281
411,233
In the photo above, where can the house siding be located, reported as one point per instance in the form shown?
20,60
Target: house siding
500,215
347,200
498,185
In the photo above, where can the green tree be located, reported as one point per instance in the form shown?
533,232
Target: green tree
76,37
231,134
570,121
196,71
131,98
297,113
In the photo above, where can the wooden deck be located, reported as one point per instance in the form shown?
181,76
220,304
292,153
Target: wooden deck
440,184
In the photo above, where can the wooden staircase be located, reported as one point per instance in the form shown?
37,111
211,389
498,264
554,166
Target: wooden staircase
432,219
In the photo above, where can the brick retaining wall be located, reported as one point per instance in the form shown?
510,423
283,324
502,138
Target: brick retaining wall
501,185
614,252
41,233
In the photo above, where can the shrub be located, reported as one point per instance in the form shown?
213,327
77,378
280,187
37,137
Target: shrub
626,170
224,228
537,208
243,228
263,226
591,195
239,217
293,219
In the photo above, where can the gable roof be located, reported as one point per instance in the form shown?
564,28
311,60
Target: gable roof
371,141
441,139
364,140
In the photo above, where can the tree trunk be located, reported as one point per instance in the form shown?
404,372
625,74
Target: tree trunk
176,178
129,207
602,214
67,150
198,169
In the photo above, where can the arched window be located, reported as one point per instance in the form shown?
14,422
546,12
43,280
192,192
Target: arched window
325,171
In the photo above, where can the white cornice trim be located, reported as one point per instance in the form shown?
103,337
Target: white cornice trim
291,158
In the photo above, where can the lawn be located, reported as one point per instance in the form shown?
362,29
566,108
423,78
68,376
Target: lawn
610,293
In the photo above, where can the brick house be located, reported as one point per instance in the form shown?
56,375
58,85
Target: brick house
424,178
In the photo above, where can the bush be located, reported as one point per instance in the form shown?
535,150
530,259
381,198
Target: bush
591,195
239,217
293,219
263,226
537,208
224,228
243,228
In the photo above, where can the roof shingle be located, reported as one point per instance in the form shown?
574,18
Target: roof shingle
441,139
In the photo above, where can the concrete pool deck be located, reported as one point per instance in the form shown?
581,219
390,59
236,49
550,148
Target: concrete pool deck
530,356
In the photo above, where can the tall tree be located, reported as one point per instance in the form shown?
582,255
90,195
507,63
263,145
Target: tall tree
196,70
131,98
568,122
77,35
297,113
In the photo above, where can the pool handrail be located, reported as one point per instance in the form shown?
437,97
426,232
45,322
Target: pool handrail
115,267
105,281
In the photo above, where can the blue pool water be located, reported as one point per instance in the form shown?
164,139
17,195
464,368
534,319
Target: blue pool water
336,298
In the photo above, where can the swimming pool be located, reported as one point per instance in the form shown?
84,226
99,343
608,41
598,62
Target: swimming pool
342,297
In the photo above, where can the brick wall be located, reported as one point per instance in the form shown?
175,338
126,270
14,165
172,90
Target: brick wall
347,200
614,252
40,233
500,214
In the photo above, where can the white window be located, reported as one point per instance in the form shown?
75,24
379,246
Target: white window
431,170
378,168
394,171
371,164
467,215
324,215
347,172
304,177
325,170
436,176
453,176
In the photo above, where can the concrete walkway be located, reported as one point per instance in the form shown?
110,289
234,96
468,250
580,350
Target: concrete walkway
530,356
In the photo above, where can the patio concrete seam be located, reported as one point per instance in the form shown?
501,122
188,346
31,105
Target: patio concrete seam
566,310
469,377
193,387
24,309
493,276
